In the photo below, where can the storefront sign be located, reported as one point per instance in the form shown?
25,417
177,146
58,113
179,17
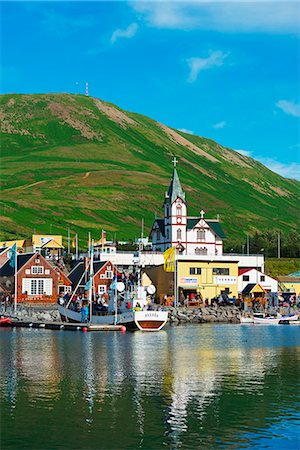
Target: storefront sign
224,280
188,281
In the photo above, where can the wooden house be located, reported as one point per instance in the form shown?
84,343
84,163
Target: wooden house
37,280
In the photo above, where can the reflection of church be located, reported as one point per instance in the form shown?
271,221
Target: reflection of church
190,235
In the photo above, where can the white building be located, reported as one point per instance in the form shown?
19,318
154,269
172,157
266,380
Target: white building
190,235
254,276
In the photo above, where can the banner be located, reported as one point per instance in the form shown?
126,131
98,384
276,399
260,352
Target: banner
169,260
12,255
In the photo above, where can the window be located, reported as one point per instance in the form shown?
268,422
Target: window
157,235
47,272
109,274
37,269
108,267
246,278
37,286
220,271
37,261
178,210
201,234
195,270
179,234
33,290
262,278
101,288
197,251
203,251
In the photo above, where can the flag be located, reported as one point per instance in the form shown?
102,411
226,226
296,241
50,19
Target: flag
92,249
74,242
88,286
102,239
169,260
12,255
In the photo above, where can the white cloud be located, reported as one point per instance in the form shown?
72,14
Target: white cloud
184,130
220,125
245,152
196,65
233,16
128,33
287,170
290,170
290,108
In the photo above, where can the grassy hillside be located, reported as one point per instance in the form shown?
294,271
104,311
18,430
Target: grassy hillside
78,161
276,267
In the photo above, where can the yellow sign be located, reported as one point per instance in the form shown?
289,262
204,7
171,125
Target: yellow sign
169,259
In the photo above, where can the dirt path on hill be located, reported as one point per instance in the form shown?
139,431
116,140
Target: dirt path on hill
86,175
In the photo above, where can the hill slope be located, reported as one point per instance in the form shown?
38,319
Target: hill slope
78,161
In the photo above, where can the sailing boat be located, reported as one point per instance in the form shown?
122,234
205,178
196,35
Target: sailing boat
124,307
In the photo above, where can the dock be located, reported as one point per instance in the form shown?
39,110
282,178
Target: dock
64,326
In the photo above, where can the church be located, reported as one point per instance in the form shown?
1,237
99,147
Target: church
190,235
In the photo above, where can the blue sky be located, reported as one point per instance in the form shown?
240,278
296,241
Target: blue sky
226,70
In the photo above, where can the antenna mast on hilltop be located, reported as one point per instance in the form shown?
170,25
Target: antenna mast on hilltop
87,88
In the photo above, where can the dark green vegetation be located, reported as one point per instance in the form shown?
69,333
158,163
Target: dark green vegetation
284,266
73,160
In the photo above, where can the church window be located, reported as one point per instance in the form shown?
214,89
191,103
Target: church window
157,235
201,234
179,234
203,251
197,251
178,210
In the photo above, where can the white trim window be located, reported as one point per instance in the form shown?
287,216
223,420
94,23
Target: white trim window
109,274
101,289
201,234
179,234
37,286
37,270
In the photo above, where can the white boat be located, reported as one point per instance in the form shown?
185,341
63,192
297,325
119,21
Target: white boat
261,318
132,320
130,310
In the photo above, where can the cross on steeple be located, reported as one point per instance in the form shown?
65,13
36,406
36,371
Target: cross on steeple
202,213
174,161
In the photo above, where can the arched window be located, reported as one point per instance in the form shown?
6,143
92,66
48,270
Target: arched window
178,210
179,234
201,234
197,251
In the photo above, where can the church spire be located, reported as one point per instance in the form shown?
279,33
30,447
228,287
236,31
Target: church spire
175,190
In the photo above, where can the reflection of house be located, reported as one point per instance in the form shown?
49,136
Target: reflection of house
254,276
104,273
38,281
190,235
290,283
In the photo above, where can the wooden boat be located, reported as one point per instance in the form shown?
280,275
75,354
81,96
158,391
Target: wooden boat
131,319
132,314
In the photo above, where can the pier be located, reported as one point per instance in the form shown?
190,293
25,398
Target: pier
63,326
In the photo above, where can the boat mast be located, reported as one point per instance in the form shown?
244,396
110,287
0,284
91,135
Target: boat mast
115,297
91,280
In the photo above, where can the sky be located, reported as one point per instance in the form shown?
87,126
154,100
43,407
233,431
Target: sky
228,71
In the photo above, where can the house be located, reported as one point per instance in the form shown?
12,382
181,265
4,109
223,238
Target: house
190,235
23,245
4,255
37,280
290,283
254,276
253,290
104,273
50,244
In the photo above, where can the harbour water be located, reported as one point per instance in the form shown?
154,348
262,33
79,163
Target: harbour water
195,386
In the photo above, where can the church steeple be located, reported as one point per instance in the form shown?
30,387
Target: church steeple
175,190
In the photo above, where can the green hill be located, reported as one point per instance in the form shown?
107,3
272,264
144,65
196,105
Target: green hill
78,161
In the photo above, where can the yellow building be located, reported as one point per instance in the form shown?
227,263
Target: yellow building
52,244
207,277
290,283
23,245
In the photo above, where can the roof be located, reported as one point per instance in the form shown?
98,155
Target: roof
41,239
52,244
175,189
75,275
8,271
250,287
213,224
288,279
243,270
294,274
19,242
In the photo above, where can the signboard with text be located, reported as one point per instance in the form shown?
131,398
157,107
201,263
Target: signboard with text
188,281
224,279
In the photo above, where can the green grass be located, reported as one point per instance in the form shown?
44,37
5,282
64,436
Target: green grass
129,171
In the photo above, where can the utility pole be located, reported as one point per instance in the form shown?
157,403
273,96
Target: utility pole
68,240
248,244
278,245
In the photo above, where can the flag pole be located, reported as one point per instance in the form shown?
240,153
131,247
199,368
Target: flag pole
76,243
91,280
16,282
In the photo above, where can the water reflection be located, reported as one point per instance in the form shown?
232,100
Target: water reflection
187,386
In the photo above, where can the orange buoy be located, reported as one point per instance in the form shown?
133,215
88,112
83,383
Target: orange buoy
123,329
84,329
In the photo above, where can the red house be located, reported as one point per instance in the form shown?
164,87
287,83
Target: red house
37,280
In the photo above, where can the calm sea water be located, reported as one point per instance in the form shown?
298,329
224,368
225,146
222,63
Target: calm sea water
202,387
